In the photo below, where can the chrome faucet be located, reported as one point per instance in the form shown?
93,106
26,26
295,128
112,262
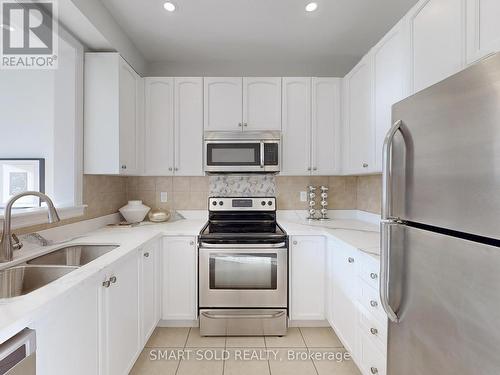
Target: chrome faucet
9,241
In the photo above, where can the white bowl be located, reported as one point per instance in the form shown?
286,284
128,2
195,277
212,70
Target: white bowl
134,212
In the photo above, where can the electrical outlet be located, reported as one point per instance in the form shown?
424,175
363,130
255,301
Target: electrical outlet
163,197
303,196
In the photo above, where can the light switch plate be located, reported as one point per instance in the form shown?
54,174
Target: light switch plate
163,197
303,196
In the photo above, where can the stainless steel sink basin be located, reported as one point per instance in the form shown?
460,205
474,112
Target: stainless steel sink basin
77,255
21,280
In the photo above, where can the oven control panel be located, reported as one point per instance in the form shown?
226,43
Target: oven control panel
242,204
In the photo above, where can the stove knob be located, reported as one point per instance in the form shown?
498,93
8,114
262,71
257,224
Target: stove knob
263,203
214,203
221,203
270,203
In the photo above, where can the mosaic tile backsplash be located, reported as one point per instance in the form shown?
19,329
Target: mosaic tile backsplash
242,186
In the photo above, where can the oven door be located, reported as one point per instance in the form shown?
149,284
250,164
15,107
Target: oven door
243,277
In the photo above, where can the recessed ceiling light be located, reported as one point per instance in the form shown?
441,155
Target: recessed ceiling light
311,7
7,27
169,6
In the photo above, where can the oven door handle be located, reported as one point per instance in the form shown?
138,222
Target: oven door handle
242,246
243,316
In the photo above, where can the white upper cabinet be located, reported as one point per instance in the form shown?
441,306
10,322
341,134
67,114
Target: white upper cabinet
113,140
359,129
262,103
159,129
174,133
325,141
483,29
188,128
390,80
296,126
223,103
437,30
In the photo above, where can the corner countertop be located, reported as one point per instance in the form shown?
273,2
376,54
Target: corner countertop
19,312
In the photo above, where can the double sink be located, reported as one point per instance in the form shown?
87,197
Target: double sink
38,272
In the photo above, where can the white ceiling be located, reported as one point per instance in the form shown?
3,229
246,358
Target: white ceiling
257,31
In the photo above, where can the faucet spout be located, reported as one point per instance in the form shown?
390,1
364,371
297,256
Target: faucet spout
7,245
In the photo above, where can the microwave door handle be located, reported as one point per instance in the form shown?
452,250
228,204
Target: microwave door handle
262,161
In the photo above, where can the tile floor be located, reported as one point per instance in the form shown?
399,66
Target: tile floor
182,351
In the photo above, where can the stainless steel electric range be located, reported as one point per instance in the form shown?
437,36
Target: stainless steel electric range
243,269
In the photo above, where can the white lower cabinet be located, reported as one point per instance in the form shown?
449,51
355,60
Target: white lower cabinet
68,336
180,269
150,289
353,306
307,278
120,316
344,277
105,321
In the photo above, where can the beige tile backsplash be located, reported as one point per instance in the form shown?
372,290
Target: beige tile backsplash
106,194
346,192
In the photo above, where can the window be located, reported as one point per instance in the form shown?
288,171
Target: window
41,126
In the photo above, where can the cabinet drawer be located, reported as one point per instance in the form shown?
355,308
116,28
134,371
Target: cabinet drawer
373,361
369,270
369,298
374,329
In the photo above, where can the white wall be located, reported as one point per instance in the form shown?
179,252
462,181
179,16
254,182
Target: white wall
260,68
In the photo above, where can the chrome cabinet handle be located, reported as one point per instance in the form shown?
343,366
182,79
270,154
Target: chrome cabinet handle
106,284
373,303
191,243
374,331
295,242
113,279
350,260
315,168
373,276
245,124
176,169
170,168
365,165
373,370
124,166
146,255
240,124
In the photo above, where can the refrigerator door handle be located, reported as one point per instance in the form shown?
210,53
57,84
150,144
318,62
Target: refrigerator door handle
387,171
385,279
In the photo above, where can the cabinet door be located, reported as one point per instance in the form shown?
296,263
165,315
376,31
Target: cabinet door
159,131
296,126
344,278
438,41
67,334
307,275
359,117
223,103
120,316
390,84
483,29
325,125
129,116
149,290
262,103
180,289
188,126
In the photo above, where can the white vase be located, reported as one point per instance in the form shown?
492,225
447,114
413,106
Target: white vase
134,212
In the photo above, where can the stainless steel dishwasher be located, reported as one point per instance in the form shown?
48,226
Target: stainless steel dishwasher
18,354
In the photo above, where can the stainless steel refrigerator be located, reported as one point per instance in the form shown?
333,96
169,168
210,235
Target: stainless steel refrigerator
440,259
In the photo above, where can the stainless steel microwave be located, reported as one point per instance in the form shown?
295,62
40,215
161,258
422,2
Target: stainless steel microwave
242,152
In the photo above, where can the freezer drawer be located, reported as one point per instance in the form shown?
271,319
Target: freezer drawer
448,305
243,322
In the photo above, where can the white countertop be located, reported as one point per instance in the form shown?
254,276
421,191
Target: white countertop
17,313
